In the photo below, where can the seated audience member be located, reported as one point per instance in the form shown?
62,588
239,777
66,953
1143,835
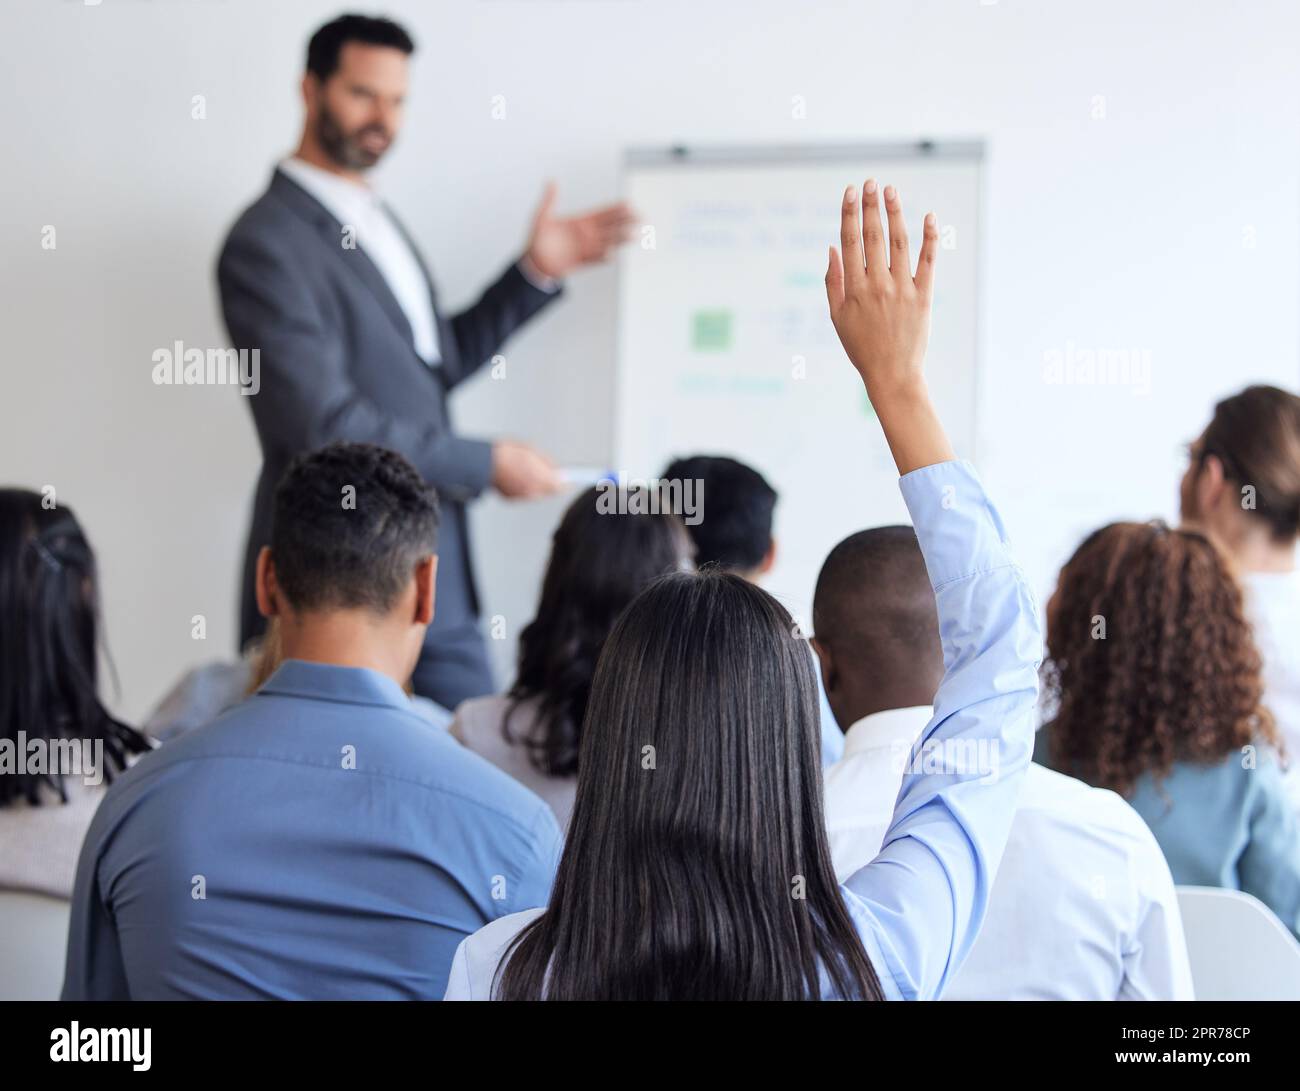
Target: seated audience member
205,692
1242,489
1083,907
734,532
58,744
600,559
696,864
1156,689
320,840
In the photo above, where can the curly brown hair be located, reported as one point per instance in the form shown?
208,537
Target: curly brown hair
1150,659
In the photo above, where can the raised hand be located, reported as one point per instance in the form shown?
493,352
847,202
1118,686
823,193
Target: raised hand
881,313
560,244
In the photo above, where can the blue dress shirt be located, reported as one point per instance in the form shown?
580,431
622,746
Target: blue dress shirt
832,736
320,840
1231,825
919,904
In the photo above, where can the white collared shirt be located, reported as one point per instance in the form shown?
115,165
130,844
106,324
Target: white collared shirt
358,208
862,786
1083,907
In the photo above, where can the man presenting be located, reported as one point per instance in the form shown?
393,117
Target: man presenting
322,279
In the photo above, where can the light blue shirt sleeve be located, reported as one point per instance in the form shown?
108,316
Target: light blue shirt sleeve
832,736
919,904
1269,867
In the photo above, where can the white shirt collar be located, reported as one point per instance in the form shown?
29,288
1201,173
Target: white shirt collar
341,196
885,730
356,206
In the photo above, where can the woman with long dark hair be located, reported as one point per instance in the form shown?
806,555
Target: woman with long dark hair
697,864
1156,692
49,703
609,545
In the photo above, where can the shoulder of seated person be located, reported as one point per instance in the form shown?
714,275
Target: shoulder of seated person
79,796
1050,788
488,710
477,706
485,948
1049,792
1265,766
1259,764
503,929
1240,775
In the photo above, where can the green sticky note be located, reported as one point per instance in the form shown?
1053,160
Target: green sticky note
711,331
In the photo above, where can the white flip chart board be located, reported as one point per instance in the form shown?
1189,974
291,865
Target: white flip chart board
725,341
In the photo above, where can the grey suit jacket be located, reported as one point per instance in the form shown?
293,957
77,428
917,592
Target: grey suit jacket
338,363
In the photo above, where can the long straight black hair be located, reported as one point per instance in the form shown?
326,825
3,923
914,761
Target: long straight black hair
697,865
600,560
49,617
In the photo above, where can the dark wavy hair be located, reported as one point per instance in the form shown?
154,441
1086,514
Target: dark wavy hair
1150,658
49,624
600,560
697,865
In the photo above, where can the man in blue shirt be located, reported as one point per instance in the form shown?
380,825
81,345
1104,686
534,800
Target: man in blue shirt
319,840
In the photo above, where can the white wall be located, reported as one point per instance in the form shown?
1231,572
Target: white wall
1170,226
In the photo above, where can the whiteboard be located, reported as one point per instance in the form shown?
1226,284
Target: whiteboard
725,345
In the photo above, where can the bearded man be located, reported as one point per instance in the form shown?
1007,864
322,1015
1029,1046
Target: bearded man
320,277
